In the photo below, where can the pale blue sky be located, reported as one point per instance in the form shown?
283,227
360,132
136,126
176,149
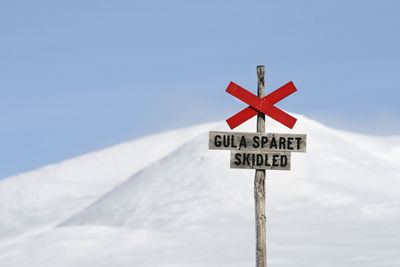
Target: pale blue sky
77,76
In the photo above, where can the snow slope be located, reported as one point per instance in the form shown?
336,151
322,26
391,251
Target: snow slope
166,200
49,195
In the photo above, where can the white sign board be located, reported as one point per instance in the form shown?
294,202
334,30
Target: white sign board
257,141
242,159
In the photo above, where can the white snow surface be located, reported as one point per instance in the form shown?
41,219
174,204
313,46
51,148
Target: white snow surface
166,200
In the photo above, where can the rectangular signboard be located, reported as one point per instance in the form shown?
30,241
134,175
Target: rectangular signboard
241,159
257,141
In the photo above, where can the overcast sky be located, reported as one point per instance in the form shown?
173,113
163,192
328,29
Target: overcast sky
78,76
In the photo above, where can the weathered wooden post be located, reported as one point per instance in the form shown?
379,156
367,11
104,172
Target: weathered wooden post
259,184
261,151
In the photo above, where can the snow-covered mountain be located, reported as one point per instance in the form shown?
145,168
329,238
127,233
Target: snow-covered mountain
166,200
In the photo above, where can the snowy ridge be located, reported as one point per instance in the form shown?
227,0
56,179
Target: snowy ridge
339,206
49,195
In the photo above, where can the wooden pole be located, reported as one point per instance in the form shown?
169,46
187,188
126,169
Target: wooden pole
259,185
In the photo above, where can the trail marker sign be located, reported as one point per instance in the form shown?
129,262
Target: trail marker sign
260,160
261,151
257,141
257,150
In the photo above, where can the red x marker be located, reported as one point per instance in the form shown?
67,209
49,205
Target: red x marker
264,105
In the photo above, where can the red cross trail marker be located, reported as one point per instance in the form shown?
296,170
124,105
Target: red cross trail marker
264,105
261,151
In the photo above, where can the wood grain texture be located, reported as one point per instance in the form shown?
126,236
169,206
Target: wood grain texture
259,185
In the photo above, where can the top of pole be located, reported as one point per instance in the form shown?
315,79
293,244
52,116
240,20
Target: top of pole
261,80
